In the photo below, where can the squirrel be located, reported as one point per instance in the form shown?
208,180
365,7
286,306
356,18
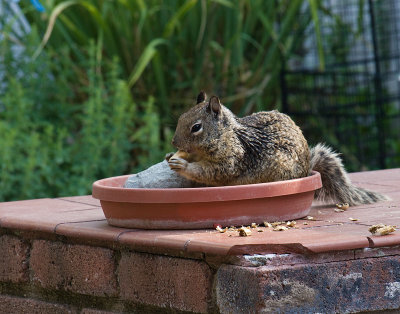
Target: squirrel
221,149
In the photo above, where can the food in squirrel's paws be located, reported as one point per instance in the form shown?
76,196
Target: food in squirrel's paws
178,161
180,154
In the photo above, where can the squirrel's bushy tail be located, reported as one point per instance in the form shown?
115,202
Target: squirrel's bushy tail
336,185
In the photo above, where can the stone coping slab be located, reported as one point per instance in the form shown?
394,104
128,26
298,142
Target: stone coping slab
81,218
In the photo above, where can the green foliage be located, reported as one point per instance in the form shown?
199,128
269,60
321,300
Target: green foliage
56,141
147,142
173,49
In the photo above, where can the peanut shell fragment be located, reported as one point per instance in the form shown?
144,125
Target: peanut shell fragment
382,229
244,232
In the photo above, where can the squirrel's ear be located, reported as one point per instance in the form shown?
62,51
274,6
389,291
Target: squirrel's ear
214,105
201,97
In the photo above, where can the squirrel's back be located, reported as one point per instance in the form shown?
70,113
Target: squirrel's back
274,147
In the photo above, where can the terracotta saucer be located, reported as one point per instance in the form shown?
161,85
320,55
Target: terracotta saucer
194,208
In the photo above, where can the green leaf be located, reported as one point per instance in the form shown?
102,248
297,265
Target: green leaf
173,22
314,4
144,60
225,3
50,26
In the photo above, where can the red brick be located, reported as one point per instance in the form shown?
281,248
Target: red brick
77,268
16,305
338,287
13,259
165,281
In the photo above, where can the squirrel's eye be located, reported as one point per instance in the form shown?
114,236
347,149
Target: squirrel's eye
196,128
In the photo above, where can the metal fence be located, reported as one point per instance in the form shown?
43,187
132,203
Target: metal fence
353,104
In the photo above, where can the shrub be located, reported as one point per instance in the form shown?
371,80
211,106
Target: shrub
56,141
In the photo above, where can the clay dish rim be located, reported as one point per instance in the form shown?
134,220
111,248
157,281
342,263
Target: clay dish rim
110,189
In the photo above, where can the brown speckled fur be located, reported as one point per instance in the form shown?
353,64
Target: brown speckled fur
262,147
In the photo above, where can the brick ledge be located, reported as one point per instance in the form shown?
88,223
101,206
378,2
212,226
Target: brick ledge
60,256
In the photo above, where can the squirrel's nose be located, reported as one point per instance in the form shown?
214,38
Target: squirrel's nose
173,141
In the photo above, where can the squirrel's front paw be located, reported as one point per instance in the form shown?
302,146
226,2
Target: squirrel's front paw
177,164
